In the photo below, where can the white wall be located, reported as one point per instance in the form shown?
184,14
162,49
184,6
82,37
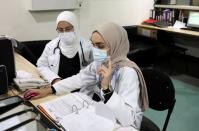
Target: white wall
123,12
17,22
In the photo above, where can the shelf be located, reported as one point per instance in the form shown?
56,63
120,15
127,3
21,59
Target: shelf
185,7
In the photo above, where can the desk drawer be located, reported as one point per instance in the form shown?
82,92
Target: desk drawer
147,32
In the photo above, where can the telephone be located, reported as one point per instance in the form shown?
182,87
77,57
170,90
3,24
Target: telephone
30,82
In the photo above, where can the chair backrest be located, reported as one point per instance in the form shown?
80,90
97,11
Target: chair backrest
36,46
165,38
131,32
161,91
31,50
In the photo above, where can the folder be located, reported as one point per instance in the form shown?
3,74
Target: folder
22,117
17,117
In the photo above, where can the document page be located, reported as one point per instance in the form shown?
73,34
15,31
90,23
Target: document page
87,120
77,111
62,106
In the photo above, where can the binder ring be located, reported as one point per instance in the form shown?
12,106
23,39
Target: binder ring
75,109
85,104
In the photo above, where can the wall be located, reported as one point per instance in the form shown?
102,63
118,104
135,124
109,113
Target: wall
123,12
17,22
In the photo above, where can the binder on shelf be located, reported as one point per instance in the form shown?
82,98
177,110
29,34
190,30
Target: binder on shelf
166,16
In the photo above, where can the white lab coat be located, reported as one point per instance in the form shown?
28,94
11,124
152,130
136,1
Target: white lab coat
124,100
48,63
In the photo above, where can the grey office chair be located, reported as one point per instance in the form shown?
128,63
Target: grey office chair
161,93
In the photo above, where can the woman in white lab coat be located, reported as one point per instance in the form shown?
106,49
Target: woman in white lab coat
120,83
65,55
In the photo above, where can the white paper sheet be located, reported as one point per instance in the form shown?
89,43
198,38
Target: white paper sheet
87,120
62,106
178,25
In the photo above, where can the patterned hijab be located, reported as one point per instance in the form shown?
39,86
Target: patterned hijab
116,38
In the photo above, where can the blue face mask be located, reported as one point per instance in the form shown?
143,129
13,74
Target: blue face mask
99,55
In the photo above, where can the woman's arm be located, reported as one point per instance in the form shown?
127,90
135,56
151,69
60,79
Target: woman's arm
86,77
125,103
43,66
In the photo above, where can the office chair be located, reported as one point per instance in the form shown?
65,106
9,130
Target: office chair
23,50
167,40
36,46
31,50
161,94
141,47
168,49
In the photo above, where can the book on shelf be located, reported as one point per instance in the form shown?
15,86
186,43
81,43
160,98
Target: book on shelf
76,111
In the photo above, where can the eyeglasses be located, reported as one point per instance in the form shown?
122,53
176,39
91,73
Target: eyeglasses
67,29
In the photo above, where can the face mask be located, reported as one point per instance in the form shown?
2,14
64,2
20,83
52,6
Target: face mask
67,37
99,55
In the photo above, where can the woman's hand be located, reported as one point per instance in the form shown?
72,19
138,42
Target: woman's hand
37,93
105,72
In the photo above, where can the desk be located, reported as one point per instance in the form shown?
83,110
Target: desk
171,29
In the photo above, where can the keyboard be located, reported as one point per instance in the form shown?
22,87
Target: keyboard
191,29
161,24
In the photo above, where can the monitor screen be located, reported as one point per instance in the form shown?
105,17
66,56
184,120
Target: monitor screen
193,20
7,58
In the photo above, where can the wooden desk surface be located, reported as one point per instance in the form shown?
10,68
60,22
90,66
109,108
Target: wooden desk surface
44,99
171,29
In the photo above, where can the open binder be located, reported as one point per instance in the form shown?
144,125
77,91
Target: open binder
76,111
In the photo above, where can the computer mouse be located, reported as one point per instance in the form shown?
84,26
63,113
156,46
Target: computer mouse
28,96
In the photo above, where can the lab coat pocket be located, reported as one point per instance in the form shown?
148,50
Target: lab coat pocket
52,61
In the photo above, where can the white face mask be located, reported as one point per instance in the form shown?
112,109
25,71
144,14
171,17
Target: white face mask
99,55
67,37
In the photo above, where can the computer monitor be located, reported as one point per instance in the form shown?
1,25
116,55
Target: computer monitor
7,58
193,20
